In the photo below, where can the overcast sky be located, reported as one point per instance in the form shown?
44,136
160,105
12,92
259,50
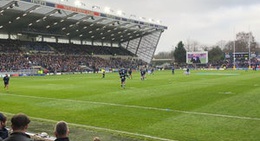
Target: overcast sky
204,21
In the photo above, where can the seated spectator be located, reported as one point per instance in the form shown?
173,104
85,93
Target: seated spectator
3,130
61,131
19,125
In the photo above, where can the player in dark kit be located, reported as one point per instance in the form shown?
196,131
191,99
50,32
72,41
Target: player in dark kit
172,69
123,75
142,71
6,81
130,73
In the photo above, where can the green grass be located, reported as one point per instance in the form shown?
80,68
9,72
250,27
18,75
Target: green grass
206,105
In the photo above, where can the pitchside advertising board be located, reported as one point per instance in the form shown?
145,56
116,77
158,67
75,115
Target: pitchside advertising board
197,57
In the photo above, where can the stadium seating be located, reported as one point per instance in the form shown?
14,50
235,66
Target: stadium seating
18,56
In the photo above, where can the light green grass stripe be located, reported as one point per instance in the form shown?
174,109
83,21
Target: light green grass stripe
142,107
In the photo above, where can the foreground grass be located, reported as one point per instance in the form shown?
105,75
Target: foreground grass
206,105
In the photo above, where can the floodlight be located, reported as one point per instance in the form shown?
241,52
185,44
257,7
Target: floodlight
107,10
95,7
151,20
134,16
142,18
77,3
120,13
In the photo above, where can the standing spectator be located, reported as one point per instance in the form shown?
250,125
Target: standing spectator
3,130
61,131
19,125
6,81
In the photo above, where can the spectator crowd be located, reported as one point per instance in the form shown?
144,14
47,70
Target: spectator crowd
18,55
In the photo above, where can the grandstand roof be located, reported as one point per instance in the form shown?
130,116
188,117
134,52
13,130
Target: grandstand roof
39,17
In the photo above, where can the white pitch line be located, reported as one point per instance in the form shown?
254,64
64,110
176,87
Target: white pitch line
143,107
101,129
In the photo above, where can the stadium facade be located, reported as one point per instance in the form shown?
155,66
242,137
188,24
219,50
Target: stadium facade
39,20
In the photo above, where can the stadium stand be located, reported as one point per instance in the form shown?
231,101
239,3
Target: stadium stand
74,28
56,38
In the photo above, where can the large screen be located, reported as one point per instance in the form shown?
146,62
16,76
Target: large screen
197,57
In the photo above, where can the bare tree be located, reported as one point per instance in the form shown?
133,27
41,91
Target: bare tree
221,44
192,45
